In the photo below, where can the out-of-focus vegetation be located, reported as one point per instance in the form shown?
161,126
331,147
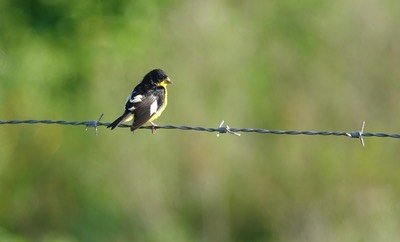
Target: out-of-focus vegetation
279,64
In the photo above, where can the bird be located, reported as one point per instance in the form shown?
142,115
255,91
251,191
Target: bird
146,102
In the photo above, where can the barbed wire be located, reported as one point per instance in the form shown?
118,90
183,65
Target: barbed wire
221,129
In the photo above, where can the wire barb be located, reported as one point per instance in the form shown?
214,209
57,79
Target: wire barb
93,124
225,129
358,134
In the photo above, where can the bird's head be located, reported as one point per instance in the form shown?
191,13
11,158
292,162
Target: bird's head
157,77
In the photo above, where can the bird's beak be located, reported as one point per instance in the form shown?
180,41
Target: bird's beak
167,80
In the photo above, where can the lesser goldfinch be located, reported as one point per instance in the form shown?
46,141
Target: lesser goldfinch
146,102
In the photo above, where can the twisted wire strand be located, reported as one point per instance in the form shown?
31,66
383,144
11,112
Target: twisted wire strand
221,129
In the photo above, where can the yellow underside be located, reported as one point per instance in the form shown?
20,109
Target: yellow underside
129,118
162,108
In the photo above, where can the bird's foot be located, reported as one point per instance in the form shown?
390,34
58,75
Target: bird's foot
153,127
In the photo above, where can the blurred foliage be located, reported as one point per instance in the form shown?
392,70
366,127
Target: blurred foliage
283,64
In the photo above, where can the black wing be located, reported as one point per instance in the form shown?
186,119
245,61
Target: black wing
142,112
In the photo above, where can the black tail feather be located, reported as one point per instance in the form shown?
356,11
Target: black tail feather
116,122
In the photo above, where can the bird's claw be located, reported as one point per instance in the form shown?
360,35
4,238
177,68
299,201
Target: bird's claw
153,127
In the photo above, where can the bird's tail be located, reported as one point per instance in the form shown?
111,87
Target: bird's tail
117,121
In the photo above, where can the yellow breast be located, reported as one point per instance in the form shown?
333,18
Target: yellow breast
162,108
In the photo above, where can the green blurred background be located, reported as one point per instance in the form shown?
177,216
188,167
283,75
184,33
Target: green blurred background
276,64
